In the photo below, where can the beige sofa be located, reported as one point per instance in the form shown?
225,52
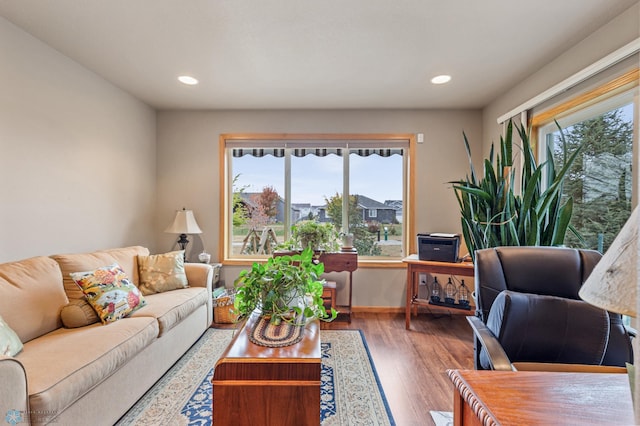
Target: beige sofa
95,373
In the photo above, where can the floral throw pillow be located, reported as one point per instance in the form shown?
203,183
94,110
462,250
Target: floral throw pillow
10,344
110,292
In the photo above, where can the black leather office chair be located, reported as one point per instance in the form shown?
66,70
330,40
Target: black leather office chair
528,310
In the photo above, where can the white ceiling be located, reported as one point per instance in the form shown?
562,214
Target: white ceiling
312,54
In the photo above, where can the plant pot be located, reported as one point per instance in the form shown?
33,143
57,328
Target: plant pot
284,306
347,241
306,242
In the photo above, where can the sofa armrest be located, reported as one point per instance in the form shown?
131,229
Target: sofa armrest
497,357
201,275
14,397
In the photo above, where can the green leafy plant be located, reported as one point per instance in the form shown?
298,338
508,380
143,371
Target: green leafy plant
285,288
493,214
313,234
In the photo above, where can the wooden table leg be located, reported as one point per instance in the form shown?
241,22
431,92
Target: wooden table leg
410,290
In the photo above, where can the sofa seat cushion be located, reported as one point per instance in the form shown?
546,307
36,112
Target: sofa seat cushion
171,307
65,364
126,257
31,296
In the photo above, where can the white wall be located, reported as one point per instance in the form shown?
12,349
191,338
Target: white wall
77,155
188,172
618,32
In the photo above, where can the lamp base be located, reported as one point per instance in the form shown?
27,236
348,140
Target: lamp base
182,242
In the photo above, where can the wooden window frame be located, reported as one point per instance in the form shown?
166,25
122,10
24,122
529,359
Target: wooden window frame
408,183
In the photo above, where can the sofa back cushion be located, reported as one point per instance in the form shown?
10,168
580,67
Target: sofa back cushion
126,257
31,296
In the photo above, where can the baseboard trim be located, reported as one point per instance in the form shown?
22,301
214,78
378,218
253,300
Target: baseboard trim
431,309
379,309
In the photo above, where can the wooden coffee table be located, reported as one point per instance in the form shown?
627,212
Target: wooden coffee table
258,385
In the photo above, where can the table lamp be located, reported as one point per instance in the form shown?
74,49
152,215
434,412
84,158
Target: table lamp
184,223
613,283
613,286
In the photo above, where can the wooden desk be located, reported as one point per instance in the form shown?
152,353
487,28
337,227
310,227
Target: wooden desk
254,384
340,261
540,398
416,266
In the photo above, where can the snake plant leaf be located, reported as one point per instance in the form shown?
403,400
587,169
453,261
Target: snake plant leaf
506,146
474,191
468,149
563,222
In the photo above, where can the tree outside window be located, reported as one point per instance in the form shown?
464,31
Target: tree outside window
600,179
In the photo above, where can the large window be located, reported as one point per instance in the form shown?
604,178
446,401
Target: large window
600,181
273,182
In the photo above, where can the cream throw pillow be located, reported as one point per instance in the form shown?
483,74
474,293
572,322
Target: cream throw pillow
162,272
10,344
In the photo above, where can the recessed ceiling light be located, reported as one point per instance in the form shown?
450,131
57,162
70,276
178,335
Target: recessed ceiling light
187,79
441,79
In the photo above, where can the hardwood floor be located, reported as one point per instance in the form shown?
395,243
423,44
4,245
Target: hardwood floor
412,364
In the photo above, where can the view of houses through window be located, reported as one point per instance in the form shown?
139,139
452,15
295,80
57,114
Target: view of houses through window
314,180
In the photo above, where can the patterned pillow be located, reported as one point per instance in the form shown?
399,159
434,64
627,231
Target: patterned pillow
109,292
162,272
10,344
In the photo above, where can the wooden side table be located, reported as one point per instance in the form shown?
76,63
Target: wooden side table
217,267
540,398
254,384
415,266
343,261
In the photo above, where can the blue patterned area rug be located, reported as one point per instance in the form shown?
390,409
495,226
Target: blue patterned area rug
350,389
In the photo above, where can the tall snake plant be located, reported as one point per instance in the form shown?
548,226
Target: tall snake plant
493,214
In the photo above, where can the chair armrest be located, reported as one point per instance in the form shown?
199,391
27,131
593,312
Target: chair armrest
13,387
632,332
497,357
567,368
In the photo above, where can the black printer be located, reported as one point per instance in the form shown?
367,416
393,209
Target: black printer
437,246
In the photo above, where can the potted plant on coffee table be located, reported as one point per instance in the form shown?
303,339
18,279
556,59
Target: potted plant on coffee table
285,288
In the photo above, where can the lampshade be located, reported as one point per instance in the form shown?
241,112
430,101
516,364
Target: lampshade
184,223
613,283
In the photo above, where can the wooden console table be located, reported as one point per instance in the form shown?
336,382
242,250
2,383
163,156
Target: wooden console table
254,384
339,261
540,398
415,266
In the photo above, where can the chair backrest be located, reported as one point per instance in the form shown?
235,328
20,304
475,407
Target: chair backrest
548,329
548,271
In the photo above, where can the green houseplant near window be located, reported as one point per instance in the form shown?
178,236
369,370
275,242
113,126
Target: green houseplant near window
321,236
285,288
494,215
